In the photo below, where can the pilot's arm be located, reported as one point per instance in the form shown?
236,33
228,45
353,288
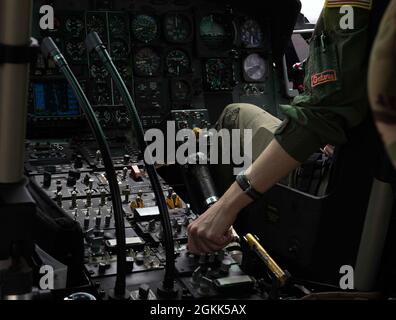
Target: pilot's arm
334,100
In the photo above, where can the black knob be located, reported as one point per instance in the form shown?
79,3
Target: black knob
102,267
78,162
130,262
139,258
127,159
58,185
47,179
87,220
152,225
144,291
71,181
75,174
86,179
98,221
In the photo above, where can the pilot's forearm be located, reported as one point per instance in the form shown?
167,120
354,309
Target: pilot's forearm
272,165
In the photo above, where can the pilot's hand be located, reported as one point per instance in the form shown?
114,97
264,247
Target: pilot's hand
212,230
328,150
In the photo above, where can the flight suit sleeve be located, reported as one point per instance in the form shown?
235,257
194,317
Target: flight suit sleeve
335,96
382,80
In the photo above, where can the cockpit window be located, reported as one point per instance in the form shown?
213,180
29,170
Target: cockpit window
311,9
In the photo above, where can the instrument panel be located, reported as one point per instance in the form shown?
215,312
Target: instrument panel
174,56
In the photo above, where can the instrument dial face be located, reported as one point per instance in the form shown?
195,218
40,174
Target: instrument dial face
251,34
177,63
76,50
219,74
119,49
181,90
147,62
145,28
216,31
117,25
254,67
178,28
74,26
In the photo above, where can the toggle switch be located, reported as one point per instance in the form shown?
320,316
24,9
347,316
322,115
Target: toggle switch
90,183
124,173
59,198
74,198
98,156
98,219
88,202
58,185
103,197
107,221
126,192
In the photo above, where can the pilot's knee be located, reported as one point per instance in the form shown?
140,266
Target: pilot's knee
230,116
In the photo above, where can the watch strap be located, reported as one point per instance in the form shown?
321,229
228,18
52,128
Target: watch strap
246,186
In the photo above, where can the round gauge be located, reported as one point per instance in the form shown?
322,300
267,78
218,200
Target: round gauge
99,73
117,25
97,24
147,62
177,63
178,27
251,34
119,49
74,26
75,50
216,31
145,28
219,74
181,90
254,67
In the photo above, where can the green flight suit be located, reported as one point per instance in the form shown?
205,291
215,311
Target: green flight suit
330,104
335,97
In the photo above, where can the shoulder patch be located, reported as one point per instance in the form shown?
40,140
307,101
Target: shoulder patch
364,4
323,77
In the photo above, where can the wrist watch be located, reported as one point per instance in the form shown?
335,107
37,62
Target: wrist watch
246,186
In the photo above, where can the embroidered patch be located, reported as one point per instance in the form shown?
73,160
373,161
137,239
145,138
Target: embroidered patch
364,4
323,77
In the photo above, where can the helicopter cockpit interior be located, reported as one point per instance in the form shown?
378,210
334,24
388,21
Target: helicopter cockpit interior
80,200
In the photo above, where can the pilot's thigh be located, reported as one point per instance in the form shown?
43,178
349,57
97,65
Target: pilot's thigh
248,116
244,116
